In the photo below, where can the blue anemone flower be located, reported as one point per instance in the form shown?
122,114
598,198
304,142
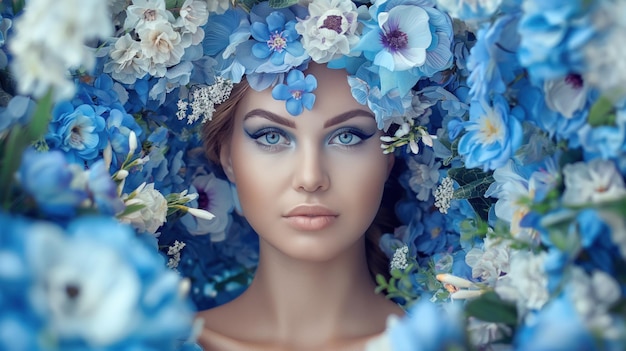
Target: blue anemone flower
297,92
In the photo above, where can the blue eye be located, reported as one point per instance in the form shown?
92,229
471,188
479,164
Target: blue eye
272,138
349,137
345,138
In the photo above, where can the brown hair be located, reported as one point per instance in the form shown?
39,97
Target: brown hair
218,131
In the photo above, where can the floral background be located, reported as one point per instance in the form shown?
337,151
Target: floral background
511,140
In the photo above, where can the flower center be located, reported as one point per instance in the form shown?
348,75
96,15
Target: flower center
203,200
574,80
395,40
149,15
72,291
277,42
332,22
76,139
296,94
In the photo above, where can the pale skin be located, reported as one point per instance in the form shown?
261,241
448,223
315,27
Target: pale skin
312,289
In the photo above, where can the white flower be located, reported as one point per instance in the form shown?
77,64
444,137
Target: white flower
218,6
174,251
526,283
50,38
444,194
152,215
399,260
604,58
161,43
593,182
330,30
145,12
593,296
85,289
214,196
127,62
482,333
193,14
490,262
566,95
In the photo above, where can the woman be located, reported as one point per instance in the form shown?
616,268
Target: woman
310,186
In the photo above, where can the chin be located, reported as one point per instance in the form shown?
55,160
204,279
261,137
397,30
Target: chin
314,247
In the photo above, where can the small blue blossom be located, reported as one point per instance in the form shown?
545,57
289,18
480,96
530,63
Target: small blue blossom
53,183
298,92
493,134
78,131
428,327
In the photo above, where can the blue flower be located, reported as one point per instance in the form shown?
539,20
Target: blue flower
493,63
119,126
493,134
276,38
50,180
222,34
103,189
428,327
399,39
78,131
557,327
297,92
553,34
275,48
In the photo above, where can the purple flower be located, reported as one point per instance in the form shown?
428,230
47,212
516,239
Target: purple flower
297,92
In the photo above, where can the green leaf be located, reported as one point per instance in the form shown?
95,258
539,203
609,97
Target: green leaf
173,4
489,307
18,5
602,113
279,4
464,176
131,209
474,189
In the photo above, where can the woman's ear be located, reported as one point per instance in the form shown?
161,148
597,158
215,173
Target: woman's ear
226,162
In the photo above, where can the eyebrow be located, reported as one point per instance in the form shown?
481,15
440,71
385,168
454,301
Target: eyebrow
289,123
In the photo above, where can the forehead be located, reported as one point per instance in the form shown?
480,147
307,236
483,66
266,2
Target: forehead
332,97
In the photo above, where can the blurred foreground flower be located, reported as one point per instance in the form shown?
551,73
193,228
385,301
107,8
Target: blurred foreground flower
92,285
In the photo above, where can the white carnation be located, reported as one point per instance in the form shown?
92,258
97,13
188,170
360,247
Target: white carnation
490,262
146,12
330,30
193,14
526,283
161,43
127,62
593,296
152,215
592,182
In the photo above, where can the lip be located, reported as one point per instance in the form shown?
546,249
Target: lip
310,217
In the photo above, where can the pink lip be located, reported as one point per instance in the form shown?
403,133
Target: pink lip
310,217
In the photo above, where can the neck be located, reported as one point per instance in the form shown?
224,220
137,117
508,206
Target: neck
299,296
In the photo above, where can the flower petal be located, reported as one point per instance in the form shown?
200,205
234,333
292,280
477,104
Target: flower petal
294,107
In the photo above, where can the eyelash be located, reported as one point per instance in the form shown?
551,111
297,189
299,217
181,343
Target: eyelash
264,132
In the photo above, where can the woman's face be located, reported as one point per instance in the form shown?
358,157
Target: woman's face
309,185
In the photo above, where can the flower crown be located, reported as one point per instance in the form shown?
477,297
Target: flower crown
387,48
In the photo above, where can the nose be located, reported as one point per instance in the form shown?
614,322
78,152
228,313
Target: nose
310,172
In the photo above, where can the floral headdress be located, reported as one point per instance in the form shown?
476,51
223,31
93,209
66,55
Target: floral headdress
387,48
